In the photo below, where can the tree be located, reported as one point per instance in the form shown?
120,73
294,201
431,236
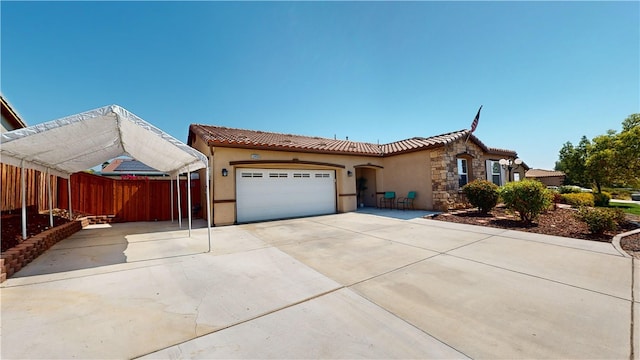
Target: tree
610,159
628,148
602,163
572,161
632,121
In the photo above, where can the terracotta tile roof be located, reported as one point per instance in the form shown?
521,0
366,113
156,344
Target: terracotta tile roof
496,151
230,137
535,173
224,136
419,143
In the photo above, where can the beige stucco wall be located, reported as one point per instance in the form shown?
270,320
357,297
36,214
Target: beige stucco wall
223,192
520,170
433,174
409,172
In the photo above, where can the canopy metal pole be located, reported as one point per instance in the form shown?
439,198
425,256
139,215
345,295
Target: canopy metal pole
208,209
171,182
179,210
50,199
69,191
23,190
189,200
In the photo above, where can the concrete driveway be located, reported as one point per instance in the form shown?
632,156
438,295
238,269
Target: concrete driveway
340,286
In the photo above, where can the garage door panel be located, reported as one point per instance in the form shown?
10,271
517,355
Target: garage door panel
263,194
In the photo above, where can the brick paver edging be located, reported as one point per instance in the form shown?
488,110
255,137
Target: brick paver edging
22,254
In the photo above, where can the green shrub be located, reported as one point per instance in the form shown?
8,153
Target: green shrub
601,199
600,220
528,197
577,200
620,193
482,194
569,189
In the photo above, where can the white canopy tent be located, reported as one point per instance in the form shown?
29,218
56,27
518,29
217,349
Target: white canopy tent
79,142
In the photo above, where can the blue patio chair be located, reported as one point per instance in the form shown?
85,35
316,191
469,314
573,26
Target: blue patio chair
406,202
387,200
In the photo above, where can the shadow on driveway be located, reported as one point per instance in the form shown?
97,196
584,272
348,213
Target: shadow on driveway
104,245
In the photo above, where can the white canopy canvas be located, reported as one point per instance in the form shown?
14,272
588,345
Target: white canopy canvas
79,142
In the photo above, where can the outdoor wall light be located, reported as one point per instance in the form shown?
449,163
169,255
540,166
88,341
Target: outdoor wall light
225,172
349,173
509,164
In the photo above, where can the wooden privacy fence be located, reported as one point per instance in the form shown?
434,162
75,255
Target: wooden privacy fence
131,199
35,185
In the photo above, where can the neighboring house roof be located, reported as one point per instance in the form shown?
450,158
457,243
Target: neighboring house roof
128,166
11,116
242,138
537,173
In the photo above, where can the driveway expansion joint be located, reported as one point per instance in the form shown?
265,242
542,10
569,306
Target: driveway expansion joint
246,320
537,277
633,301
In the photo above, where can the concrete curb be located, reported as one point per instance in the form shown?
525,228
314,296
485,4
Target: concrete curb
616,242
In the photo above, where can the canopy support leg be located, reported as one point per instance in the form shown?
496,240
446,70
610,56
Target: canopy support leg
69,191
179,209
23,190
189,200
171,184
208,209
50,199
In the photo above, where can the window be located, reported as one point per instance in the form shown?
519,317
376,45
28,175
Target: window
463,175
495,173
516,176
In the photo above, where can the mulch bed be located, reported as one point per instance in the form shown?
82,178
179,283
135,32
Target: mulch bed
558,222
631,244
11,224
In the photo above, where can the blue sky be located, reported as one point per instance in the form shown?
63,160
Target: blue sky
546,72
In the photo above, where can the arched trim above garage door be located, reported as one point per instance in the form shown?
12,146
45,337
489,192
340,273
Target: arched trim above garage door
368,165
289,162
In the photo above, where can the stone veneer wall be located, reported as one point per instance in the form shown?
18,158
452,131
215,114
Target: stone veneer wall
446,194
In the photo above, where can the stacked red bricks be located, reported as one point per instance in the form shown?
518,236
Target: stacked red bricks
102,219
20,255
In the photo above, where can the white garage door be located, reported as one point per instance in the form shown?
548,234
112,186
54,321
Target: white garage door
264,194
